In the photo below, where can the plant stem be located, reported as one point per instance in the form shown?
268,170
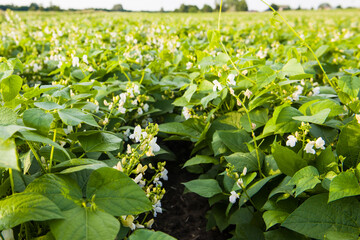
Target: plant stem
52,152
36,156
11,181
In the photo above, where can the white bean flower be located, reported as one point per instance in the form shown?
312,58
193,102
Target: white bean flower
85,59
75,62
320,143
157,208
217,86
316,91
137,134
186,113
291,141
164,174
357,117
154,147
231,79
309,147
189,65
233,197
248,93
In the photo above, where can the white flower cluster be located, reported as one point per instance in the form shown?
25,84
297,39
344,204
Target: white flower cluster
309,147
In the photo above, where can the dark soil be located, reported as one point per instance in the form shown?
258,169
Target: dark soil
183,215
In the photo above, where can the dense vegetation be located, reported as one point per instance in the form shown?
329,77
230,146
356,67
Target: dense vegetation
90,103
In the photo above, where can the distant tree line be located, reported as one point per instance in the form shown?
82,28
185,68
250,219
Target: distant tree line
228,5
36,7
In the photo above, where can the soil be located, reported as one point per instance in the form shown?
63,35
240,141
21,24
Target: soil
183,215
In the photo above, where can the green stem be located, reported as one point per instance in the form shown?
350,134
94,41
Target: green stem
36,156
221,3
11,181
244,189
52,151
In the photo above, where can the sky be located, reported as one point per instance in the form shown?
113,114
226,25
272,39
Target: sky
156,5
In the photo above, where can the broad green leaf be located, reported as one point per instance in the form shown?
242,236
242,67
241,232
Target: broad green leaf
248,160
321,50
284,120
350,85
8,155
204,101
204,187
10,87
31,136
85,224
287,160
235,140
116,193
77,162
254,188
273,217
349,143
24,207
38,119
200,159
9,130
320,106
318,118
344,185
265,76
74,117
62,190
48,105
258,116
283,234
218,145
292,68
305,179
7,116
179,129
100,142
315,217
324,162
189,92
142,234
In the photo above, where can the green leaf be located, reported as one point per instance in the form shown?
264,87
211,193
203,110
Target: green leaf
179,129
287,160
10,87
8,158
100,142
274,217
7,116
315,217
349,143
142,234
321,50
9,130
254,188
116,193
85,224
258,116
324,162
62,190
283,234
350,85
235,140
344,185
318,118
248,160
39,119
31,136
284,120
305,179
48,105
24,207
292,68
204,187
74,117
189,92
200,159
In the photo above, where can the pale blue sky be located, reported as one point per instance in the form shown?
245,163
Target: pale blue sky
155,5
